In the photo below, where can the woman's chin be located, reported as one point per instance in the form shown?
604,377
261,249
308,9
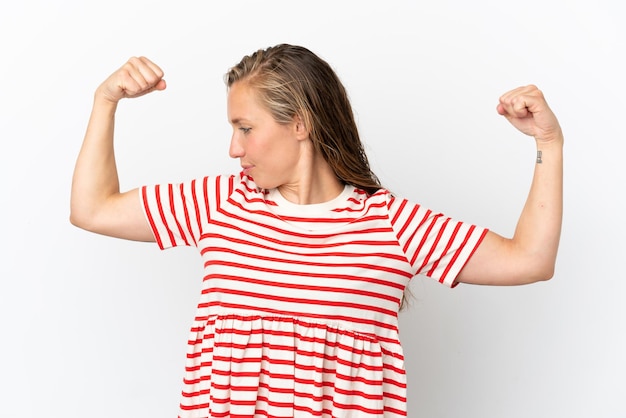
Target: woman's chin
262,183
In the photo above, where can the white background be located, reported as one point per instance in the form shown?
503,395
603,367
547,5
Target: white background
96,327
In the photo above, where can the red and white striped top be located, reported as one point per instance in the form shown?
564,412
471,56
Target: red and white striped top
298,315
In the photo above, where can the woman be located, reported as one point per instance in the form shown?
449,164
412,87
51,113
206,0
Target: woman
306,256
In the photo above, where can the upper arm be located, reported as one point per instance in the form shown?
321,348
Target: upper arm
120,216
499,261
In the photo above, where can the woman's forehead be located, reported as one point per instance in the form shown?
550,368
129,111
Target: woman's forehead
243,104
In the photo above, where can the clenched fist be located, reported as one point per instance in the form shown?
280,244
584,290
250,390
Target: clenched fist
135,78
527,110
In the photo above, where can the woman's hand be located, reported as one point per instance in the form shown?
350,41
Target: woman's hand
527,110
135,78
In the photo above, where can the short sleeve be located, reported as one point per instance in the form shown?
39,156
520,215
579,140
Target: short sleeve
176,212
434,244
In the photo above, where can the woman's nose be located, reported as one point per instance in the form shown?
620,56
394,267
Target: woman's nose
235,150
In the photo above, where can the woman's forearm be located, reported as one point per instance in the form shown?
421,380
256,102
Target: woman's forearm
539,227
95,174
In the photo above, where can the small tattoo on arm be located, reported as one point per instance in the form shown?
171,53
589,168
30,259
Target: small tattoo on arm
539,161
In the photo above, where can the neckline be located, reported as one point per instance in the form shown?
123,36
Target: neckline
285,207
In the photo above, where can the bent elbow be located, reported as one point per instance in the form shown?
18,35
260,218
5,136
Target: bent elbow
77,220
81,217
544,272
550,273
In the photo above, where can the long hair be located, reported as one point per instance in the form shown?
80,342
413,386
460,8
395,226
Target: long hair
292,81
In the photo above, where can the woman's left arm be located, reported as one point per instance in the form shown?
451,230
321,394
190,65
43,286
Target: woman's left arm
530,255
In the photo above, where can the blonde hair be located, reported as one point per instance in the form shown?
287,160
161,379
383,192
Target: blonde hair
293,81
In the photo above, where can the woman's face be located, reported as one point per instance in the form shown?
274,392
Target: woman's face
269,152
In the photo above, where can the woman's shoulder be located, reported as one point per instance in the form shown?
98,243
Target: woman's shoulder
227,183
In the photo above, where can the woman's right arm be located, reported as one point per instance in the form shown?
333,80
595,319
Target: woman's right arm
97,205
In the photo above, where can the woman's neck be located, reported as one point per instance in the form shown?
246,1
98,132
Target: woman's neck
316,183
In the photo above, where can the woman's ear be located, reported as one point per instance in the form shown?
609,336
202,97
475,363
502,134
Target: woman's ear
300,128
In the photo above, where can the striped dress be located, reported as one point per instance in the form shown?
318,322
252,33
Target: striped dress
298,314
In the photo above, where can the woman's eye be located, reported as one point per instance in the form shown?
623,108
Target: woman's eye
245,130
